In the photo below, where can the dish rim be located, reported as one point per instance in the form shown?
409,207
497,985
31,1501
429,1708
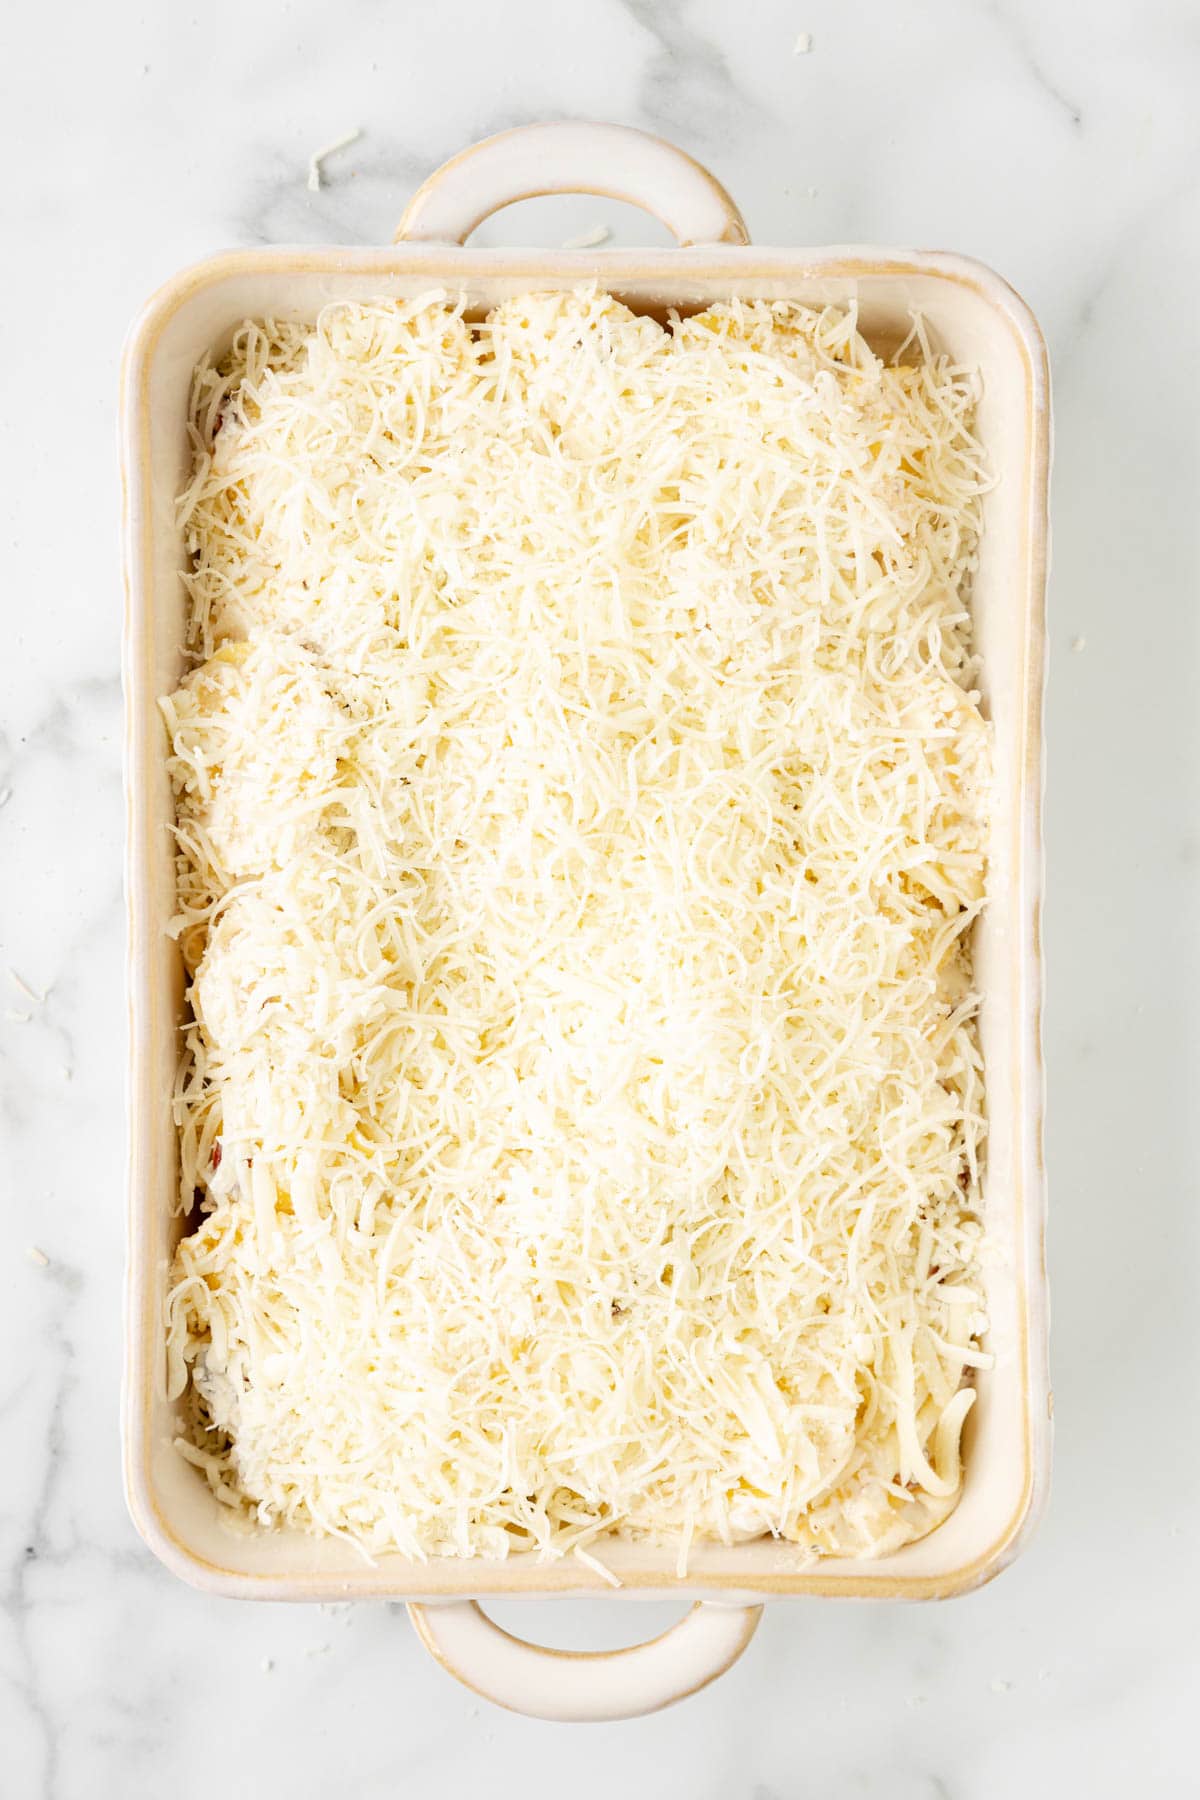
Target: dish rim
446,265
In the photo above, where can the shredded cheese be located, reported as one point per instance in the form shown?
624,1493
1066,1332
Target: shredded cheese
318,158
582,809
590,239
30,993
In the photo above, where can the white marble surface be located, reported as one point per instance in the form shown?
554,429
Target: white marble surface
1054,140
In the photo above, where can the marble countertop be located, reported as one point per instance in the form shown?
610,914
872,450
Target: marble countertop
1056,142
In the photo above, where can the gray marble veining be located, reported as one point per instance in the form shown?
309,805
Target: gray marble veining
1059,143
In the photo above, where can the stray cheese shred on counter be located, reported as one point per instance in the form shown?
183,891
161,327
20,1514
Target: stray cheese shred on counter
583,804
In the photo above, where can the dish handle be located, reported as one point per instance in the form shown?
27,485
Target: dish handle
584,1685
572,157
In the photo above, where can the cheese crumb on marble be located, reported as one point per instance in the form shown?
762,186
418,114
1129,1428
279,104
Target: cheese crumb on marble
317,159
589,239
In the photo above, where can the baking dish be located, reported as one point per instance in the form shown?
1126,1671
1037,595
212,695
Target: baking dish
970,312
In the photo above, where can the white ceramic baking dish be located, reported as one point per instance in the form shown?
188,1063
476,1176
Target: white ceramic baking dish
975,315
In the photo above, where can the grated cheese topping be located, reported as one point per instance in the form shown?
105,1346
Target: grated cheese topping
582,809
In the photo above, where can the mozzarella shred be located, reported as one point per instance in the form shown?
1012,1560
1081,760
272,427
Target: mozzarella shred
583,804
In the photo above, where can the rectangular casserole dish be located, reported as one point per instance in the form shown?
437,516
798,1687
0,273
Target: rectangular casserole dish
970,312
